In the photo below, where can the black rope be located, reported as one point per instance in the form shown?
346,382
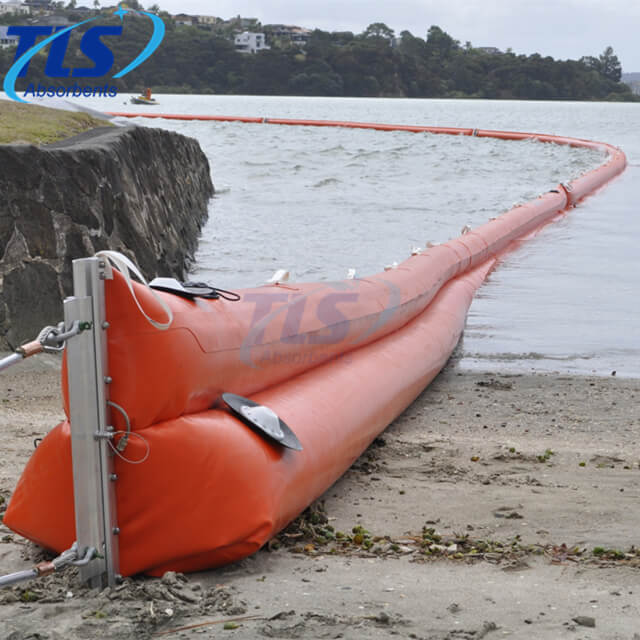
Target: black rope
191,290
212,293
231,296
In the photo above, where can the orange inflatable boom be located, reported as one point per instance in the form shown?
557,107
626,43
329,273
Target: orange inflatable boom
337,362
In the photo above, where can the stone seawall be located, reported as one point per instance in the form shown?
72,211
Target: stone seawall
138,190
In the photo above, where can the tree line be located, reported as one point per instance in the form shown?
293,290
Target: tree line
373,63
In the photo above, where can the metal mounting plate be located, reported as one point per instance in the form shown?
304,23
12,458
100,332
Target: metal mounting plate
263,420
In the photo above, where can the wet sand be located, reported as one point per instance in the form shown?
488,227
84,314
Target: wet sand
475,515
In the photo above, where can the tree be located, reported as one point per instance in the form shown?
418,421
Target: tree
606,64
411,46
378,30
610,65
337,63
440,43
591,63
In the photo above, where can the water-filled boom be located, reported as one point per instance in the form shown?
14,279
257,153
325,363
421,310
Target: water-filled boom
336,361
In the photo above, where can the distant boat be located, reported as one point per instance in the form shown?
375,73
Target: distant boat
144,99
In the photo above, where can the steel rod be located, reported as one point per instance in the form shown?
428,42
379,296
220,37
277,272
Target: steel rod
5,363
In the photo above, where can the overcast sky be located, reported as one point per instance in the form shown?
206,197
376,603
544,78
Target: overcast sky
558,28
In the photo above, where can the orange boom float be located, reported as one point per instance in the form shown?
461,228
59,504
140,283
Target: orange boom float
337,362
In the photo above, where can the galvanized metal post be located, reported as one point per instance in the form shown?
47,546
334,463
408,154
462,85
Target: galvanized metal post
93,473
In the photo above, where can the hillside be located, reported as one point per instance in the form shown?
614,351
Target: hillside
633,80
194,59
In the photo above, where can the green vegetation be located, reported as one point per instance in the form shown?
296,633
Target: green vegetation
373,63
613,554
544,457
31,124
29,596
310,534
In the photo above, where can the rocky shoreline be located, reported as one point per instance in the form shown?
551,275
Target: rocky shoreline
495,506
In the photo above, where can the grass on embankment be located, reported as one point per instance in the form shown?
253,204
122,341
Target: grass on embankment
32,124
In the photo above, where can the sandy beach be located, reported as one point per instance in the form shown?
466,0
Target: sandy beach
495,506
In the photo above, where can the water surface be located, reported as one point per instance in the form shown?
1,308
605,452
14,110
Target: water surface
320,201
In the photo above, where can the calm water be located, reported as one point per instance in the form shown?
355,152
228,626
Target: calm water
320,201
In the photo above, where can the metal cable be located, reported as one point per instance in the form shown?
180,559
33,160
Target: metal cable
66,558
124,440
50,339
18,576
5,363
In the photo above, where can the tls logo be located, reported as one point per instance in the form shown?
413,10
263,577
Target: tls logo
91,46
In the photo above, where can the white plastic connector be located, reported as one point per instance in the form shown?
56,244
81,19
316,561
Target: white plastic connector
281,275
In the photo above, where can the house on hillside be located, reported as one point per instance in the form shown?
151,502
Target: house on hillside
247,23
14,6
291,33
208,21
183,20
5,40
242,24
249,42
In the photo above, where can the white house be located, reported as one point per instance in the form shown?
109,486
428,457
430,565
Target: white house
14,6
5,40
249,42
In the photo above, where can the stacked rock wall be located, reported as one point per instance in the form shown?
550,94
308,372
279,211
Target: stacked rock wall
138,190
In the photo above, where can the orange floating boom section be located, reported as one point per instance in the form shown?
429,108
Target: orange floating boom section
337,362
212,491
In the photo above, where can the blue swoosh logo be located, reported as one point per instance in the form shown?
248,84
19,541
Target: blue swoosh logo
156,38
152,45
16,68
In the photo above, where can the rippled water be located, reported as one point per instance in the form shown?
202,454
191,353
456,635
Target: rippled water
320,201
